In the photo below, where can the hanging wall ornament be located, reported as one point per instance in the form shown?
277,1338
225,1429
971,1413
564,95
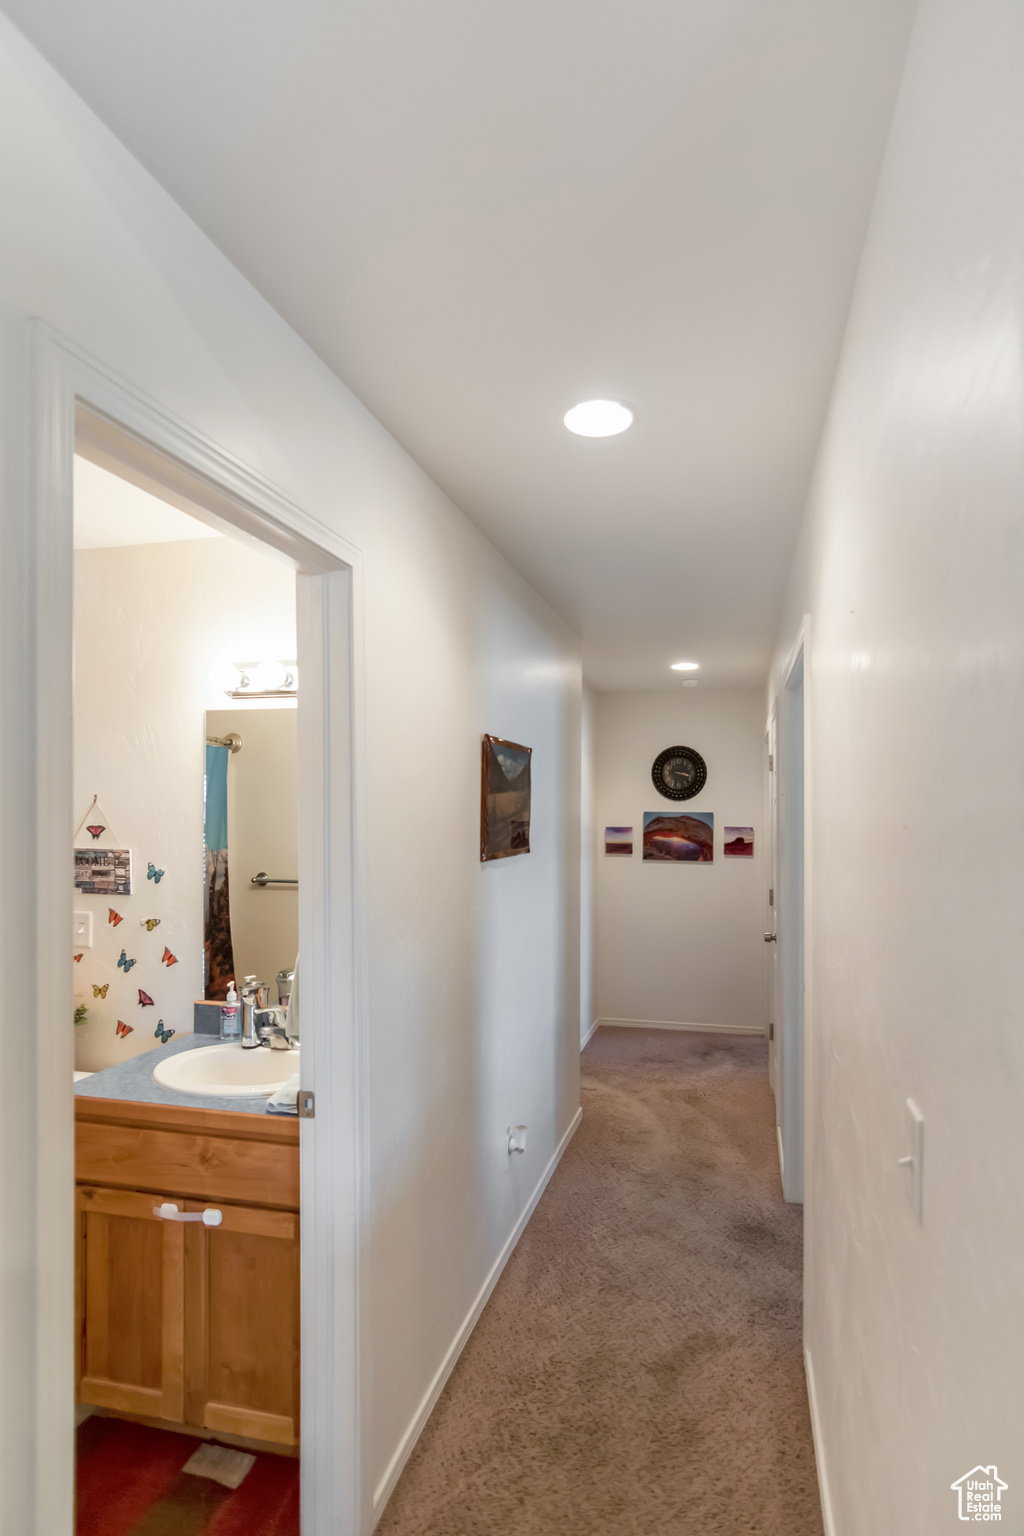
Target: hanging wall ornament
79,957
114,917
168,958
149,923
154,874
124,1029
100,991
145,1001
124,963
105,871
162,1034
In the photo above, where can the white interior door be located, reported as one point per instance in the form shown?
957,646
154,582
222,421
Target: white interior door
789,894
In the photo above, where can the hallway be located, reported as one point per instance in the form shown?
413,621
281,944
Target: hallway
638,1368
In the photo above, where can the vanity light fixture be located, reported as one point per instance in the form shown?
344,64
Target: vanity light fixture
264,680
685,666
598,418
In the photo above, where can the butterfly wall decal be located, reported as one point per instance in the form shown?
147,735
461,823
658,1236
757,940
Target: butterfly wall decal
168,958
78,957
162,1034
124,963
145,1001
114,917
155,874
149,923
100,991
124,1029
95,832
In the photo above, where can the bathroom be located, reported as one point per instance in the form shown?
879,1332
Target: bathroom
187,1093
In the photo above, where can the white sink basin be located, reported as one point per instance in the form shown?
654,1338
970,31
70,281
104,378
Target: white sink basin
227,1072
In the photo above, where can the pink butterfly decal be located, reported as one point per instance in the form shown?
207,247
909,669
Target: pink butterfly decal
95,831
145,1001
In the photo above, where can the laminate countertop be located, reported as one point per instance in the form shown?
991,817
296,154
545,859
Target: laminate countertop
132,1081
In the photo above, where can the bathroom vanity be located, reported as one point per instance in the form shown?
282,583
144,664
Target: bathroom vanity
182,1322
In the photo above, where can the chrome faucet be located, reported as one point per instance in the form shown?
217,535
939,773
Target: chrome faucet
262,1025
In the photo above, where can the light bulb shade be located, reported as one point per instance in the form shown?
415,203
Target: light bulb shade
685,666
270,677
598,418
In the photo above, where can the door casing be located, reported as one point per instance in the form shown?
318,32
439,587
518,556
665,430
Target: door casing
78,404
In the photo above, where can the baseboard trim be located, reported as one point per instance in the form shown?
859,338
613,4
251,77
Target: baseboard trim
714,1029
819,1447
591,1032
393,1471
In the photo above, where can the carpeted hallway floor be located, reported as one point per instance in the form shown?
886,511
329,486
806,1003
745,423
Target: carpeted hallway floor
638,1369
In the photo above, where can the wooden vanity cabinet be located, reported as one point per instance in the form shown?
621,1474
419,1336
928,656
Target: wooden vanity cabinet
177,1321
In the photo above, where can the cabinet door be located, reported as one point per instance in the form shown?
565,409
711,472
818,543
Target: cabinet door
131,1292
242,1328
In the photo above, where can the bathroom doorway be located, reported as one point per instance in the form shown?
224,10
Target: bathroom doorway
179,807
83,412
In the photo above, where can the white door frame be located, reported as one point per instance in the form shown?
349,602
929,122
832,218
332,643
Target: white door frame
117,424
791,898
770,913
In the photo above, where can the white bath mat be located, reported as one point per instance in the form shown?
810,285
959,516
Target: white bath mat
220,1464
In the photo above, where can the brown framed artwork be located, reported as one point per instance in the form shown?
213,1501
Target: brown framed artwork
504,799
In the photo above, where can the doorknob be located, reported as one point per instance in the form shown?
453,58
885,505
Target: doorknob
770,938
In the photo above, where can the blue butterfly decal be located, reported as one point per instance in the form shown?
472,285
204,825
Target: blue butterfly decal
125,963
162,1034
155,874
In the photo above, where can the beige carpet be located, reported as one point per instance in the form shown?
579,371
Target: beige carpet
638,1370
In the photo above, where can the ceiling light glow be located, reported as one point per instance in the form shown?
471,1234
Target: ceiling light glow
685,666
598,418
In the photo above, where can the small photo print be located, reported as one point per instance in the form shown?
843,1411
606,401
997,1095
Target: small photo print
688,839
618,840
103,871
739,843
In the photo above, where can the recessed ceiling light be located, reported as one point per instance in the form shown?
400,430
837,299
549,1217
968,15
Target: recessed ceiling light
685,666
598,418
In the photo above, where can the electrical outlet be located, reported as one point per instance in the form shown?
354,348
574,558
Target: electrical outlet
82,930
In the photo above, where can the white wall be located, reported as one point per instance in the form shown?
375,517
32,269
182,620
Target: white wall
912,567
472,973
152,621
680,943
588,1016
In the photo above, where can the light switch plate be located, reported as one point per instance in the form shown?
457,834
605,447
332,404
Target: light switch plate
82,930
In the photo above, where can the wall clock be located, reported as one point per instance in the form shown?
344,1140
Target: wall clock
679,773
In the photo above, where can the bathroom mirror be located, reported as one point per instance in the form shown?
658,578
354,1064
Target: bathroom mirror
251,904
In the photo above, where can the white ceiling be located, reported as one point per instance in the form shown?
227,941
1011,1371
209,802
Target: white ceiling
479,214
109,512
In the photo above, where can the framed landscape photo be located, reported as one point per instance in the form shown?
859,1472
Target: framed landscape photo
675,839
504,799
739,843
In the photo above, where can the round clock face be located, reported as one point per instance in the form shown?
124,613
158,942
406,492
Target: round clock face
679,773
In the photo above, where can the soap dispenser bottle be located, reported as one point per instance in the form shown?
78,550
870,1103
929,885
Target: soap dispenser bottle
230,1016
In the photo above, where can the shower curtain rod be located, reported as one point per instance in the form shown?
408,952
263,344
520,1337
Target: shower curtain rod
232,741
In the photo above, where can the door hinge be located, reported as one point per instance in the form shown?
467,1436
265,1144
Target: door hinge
305,1103
771,1031
771,896
771,762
